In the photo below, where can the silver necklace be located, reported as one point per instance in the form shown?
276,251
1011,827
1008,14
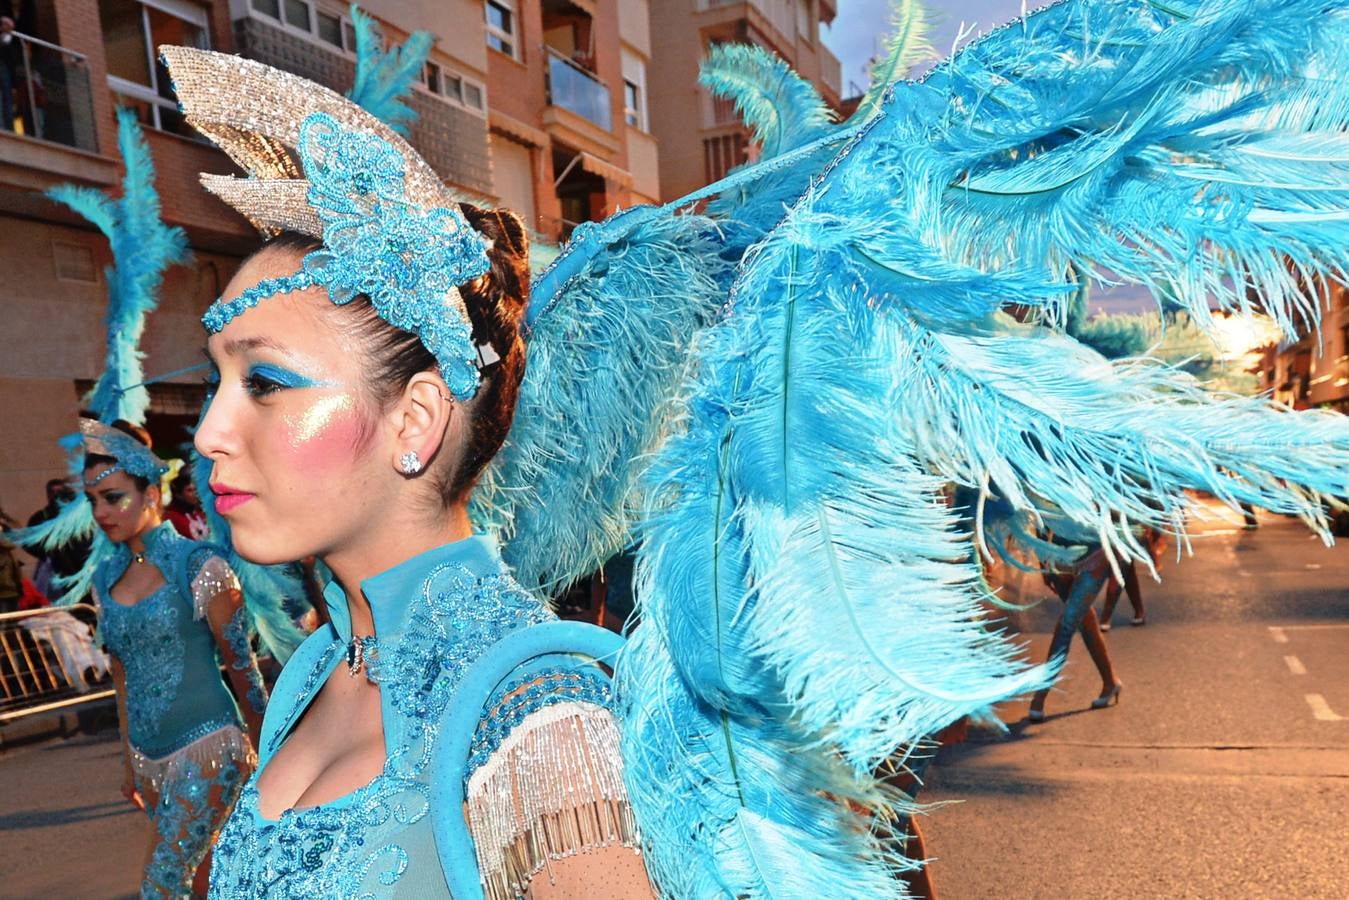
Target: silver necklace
359,650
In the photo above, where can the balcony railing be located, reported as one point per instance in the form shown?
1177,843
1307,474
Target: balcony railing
576,90
49,96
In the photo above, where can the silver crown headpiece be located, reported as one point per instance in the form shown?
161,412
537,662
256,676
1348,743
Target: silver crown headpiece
320,165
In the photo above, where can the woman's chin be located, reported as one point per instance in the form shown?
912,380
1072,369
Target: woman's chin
257,549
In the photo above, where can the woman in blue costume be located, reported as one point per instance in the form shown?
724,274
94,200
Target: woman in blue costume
170,616
808,608
317,407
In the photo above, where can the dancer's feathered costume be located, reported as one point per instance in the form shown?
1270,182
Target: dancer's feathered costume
808,606
143,248
185,742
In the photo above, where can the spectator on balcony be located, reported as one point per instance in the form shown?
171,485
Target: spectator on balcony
15,16
11,61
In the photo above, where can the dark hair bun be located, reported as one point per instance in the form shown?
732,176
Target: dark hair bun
505,288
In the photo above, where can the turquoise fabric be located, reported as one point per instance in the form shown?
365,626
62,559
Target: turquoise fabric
174,691
435,615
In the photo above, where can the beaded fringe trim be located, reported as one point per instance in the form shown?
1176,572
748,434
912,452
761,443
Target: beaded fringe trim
553,789
208,754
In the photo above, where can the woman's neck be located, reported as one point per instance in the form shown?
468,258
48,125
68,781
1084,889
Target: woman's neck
385,548
136,543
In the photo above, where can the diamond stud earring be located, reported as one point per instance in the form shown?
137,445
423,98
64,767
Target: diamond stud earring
411,462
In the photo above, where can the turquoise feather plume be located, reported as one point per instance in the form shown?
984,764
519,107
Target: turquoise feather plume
907,46
143,248
1192,147
715,821
782,109
610,331
384,78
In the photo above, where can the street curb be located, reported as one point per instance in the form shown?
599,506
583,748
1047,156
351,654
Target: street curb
89,718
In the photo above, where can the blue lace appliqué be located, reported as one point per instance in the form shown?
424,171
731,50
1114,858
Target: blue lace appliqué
147,639
340,848
241,647
185,821
444,635
407,259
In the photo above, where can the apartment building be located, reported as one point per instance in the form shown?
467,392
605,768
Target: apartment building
702,138
523,103
569,136
1313,372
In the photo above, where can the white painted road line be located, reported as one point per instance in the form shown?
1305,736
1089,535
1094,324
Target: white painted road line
1321,709
1278,635
1295,665
1324,626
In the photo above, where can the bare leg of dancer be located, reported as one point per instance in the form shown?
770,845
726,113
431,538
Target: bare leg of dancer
1131,587
1112,591
1079,592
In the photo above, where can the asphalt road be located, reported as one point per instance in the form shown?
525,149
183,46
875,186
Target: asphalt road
1223,772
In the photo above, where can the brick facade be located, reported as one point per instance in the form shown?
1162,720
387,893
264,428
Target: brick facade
52,306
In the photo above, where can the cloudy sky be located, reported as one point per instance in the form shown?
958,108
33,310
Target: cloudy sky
859,32
860,28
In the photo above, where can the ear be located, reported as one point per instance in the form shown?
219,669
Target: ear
154,497
422,418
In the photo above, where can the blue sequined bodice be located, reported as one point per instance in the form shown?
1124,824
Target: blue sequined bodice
434,615
174,691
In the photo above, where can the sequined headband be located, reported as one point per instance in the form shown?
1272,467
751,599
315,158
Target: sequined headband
390,230
132,457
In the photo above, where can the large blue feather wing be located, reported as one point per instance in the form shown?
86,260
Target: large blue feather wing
610,328
1196,148
798,564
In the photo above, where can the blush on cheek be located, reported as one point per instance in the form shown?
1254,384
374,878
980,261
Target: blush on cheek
324,434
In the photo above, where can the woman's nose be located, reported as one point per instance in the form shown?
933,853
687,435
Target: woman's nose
214,437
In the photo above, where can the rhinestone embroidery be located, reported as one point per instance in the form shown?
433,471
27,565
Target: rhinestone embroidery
409,260
342,849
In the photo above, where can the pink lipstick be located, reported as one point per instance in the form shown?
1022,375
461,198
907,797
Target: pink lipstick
228,498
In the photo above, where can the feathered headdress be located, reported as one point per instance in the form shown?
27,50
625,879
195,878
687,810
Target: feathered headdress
143,247
376,101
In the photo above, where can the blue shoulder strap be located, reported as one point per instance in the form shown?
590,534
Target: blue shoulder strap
454,844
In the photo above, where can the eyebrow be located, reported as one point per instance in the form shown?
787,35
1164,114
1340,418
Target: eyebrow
240,345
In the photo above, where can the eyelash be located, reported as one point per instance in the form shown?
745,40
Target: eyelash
260,385
212,383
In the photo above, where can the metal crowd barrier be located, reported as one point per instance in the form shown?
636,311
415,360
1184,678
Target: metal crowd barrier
48,661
